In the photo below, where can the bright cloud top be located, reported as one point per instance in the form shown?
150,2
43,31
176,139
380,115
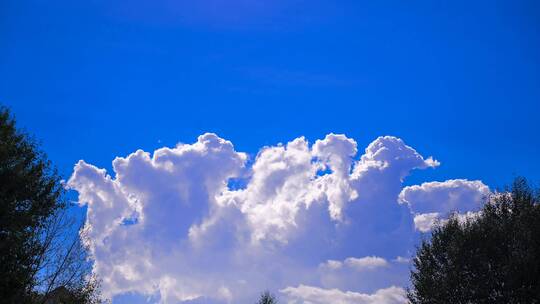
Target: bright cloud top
430,201
170,224
309,294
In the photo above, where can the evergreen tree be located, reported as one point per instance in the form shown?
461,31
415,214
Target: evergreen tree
267,298
40,248
493,258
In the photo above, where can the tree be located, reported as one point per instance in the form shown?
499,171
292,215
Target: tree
40,248
492,258
267,298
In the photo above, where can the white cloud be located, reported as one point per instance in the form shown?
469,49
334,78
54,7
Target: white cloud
425,221
166,223
433,200
280,185
358,264
366,263
314,295
448,196
331,265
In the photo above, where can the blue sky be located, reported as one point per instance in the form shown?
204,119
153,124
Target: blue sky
456,80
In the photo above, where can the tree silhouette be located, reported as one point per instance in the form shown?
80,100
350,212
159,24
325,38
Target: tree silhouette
40,248
267,298
494,258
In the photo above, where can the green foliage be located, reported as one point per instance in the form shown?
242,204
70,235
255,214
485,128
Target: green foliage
40,249
267,298
30,193
494,258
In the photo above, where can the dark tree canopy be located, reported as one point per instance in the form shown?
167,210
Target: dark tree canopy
494,258
30,193
267,298
40,249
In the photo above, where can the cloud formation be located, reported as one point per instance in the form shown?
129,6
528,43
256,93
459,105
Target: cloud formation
359,264
432,201
172,225
314,295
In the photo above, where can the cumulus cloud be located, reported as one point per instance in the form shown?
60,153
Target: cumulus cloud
313,295
365,263
166,224
429,201
425,221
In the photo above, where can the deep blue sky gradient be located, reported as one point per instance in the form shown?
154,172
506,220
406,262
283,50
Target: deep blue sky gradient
459,80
